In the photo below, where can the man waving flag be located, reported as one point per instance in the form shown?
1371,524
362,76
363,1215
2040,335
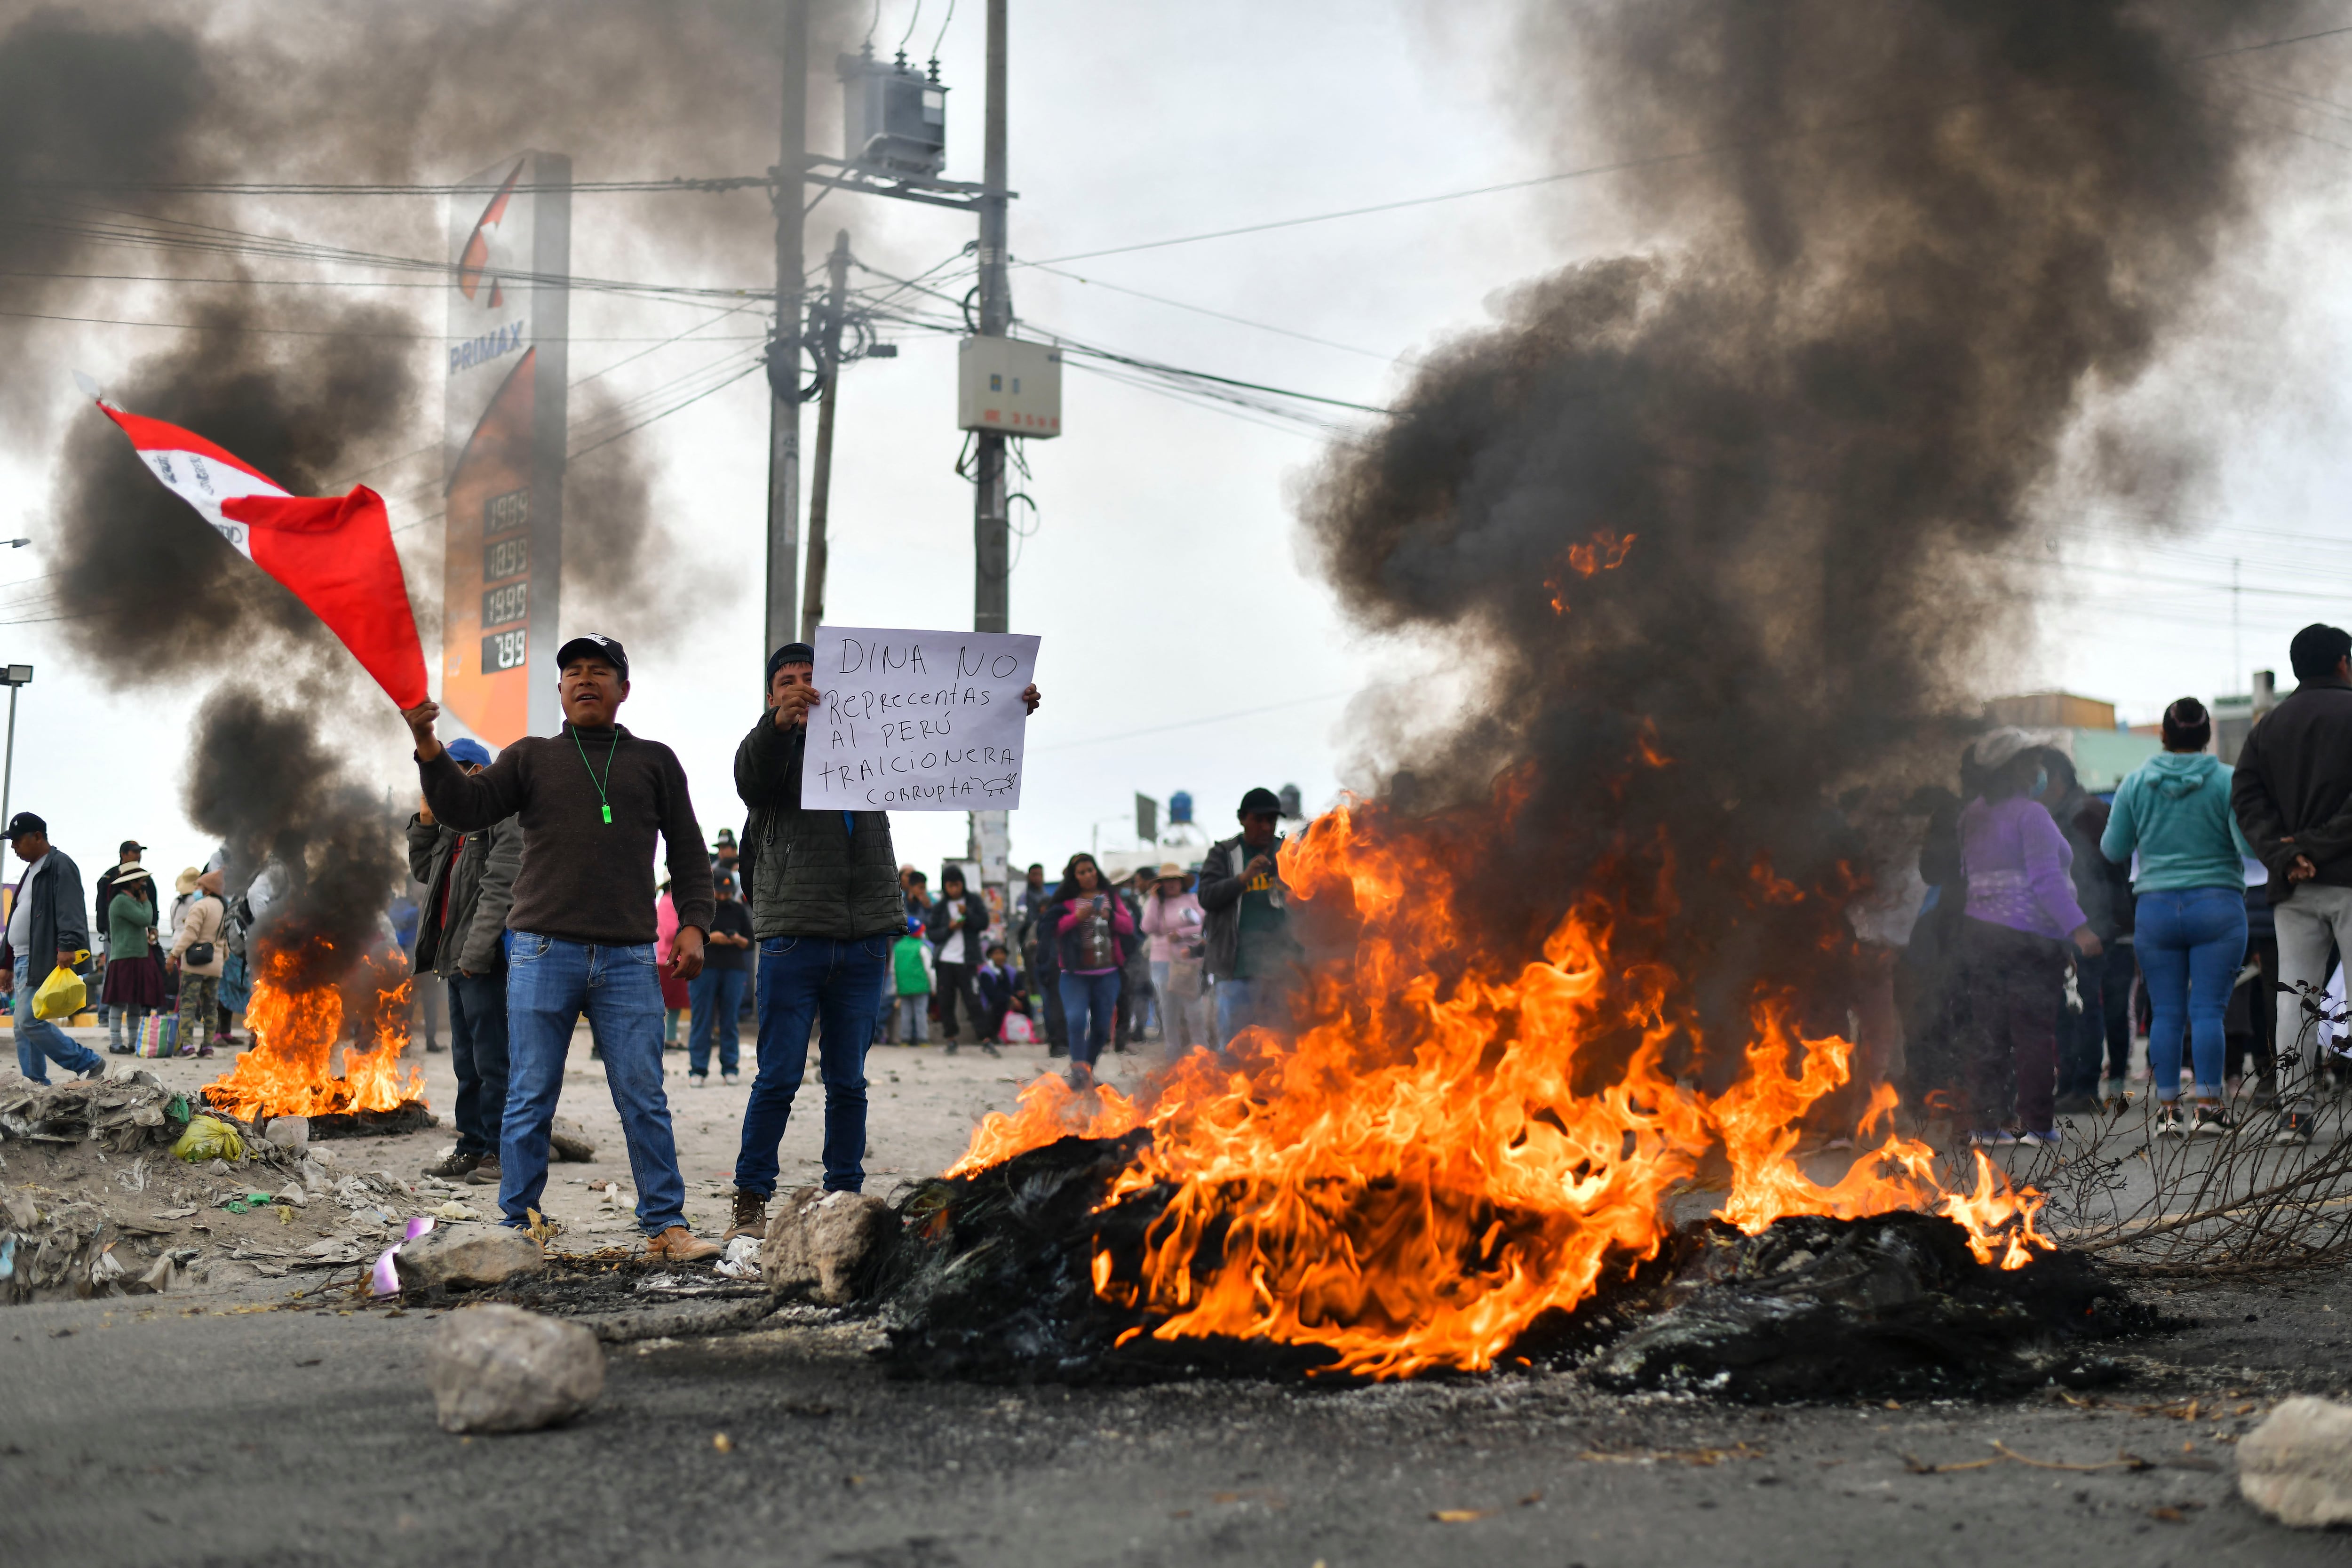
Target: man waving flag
333,553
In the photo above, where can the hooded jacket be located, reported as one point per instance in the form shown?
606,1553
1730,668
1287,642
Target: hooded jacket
2174,809
2293,780
477,871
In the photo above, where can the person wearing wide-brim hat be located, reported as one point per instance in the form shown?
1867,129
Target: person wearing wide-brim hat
134,981
1173,921
183,894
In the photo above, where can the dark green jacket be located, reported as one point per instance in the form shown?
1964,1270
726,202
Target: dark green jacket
806,872
479,889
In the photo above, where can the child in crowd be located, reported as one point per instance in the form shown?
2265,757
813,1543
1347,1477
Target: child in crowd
1000,987
910,971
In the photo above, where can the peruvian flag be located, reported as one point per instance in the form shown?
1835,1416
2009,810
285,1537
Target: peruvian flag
333,553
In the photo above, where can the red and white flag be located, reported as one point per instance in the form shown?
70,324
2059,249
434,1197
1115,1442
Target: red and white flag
332,552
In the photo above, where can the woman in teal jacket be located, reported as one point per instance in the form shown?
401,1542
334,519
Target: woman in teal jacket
2190,895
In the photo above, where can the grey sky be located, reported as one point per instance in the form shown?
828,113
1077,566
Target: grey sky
1162,573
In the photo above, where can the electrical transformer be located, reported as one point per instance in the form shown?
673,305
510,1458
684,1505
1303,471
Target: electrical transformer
894,122
1012,387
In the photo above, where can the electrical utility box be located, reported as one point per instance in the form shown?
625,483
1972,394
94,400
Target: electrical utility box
1012,387
894,122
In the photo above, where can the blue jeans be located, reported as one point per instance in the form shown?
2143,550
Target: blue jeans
1242,1002
550,983
806,980
2190,943
1089,1007
40,1042
478,1053
715,997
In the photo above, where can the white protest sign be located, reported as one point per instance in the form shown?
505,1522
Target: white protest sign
917,721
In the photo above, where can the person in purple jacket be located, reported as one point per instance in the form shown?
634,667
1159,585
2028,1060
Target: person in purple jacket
2013,941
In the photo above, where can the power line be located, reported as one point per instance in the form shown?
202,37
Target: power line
324,332
1220,315
705,184
1622,165
1189,723
1155,368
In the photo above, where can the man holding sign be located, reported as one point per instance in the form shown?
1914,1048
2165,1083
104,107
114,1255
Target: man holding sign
923,720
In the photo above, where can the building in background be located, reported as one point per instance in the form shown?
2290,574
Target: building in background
2085,728
510,245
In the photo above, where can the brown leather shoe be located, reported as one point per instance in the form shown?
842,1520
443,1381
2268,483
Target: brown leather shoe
751,1216
679,1245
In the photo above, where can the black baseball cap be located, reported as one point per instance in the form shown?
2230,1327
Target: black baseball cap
1260,799
24,822
131,847
592,645
791,653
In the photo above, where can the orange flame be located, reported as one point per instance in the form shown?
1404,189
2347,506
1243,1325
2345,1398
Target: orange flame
1431,1165
1605,552
294,1030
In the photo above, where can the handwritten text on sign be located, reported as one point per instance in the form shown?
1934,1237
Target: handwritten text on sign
917,721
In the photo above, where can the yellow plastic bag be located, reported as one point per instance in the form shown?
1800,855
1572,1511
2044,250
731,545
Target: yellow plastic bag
209,1138
61,995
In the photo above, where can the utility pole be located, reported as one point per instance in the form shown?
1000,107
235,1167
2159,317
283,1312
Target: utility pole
784,361
15,676
821,474
991,606
992,610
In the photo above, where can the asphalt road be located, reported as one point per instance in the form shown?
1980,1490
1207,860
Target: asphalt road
143,1435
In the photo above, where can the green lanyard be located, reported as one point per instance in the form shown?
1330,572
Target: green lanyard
593,779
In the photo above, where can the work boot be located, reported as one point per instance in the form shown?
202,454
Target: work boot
750,1215
679,1245
486,1172
453,1163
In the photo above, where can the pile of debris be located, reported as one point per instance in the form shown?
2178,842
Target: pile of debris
93,1201
1893,1305
121,1115
991,1277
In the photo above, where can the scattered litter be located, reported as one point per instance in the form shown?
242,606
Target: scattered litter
742,1258
385,1280
209,1138
122,1115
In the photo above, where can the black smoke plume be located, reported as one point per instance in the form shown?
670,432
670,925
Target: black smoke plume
102,102
1911,244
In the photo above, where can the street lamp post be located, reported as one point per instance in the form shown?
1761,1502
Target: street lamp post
12,677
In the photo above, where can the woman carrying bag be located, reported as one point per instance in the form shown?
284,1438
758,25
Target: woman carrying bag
199,953
2190,896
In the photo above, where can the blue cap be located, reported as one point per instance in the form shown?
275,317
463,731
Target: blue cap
914,926
469,751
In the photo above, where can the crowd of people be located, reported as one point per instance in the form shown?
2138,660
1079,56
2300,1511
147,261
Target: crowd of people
151,967
2213,901
2053,917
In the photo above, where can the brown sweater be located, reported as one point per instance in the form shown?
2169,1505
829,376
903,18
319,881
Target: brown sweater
585,880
